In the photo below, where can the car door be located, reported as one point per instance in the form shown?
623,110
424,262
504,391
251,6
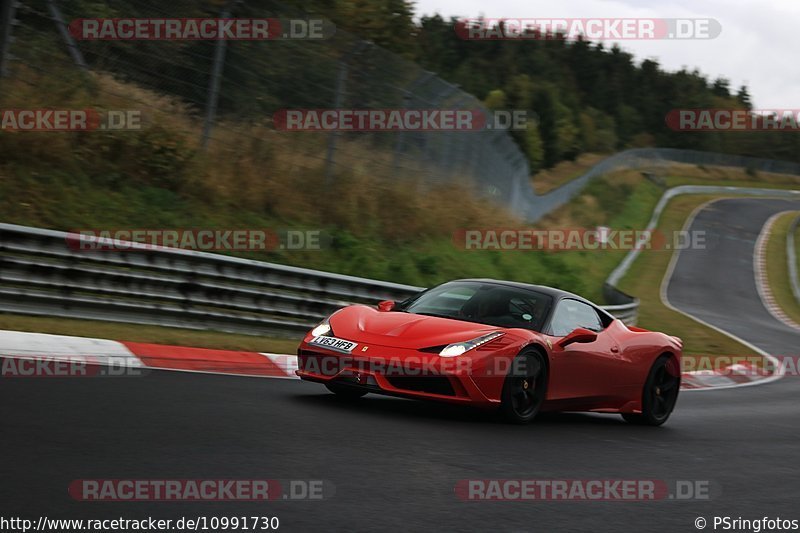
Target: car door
582,369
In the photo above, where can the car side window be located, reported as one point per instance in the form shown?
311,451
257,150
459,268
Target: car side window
571,314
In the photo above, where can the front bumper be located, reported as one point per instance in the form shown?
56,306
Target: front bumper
401,372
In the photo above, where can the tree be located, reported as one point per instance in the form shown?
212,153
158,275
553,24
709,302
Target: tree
743,96
496,99
387,23
721,87
533,147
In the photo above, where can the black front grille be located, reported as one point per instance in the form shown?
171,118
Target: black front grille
428,384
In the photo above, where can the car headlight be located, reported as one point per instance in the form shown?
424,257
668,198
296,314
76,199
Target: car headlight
324,328
458,348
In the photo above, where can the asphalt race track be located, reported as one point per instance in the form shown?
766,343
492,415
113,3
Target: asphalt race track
394,463
716,285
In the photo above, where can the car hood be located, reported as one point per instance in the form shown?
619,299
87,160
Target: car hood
364,324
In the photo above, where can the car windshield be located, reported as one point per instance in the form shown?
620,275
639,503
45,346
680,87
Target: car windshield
485,303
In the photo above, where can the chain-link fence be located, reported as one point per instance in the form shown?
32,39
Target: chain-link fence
228,84
232,89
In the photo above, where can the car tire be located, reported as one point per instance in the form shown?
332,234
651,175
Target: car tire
659,394
345,392
525,388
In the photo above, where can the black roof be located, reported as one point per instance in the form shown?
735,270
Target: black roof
556,294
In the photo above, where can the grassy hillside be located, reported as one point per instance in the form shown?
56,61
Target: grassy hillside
160,178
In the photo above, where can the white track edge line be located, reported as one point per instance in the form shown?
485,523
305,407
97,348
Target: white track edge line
760,272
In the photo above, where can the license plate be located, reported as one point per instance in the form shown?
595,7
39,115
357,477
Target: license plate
340,345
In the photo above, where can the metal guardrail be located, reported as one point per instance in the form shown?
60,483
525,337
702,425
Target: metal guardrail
41,275
627,312
791,259
533,207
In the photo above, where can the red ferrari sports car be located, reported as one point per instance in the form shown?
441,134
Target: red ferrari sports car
514,347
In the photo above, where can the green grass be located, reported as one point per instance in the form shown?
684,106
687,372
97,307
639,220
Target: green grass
777,266
797,247
66,202
547,180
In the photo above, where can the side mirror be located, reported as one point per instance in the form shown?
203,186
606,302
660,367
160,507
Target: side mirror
386,306
578,335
